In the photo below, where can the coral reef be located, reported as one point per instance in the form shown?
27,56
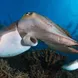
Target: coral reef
35,64
7,72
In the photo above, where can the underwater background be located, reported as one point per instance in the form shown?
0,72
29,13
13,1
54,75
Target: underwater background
62,12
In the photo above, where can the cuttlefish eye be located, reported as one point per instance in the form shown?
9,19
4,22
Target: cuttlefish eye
29,13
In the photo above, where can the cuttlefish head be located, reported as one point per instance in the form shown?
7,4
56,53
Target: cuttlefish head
33,26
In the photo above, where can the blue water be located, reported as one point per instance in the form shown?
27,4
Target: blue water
62,12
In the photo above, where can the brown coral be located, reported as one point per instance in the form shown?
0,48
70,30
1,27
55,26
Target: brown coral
35,64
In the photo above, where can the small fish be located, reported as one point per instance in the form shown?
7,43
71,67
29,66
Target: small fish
71,66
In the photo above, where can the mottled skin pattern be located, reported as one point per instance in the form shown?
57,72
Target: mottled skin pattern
32,27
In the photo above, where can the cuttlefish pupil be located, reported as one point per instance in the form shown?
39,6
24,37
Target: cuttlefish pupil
33,40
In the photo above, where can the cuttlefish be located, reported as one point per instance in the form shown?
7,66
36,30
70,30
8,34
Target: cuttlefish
25,33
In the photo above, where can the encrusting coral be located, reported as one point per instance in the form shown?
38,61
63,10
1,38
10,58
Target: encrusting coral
35,64
7,72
